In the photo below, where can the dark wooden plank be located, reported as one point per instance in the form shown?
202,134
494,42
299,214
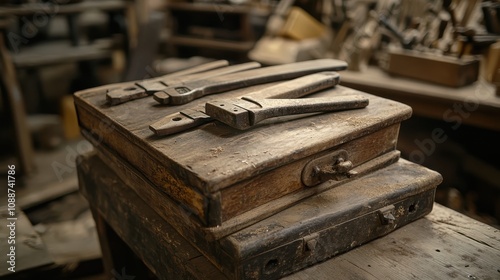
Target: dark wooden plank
30,251
201,268
187,223
443,245
117,257
154,241
246,252
397,181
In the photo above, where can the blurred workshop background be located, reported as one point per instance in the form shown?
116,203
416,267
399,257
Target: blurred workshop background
440,57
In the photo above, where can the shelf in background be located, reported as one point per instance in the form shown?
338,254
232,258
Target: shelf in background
478,102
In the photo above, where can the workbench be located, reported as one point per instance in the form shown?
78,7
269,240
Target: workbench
475,104
442,245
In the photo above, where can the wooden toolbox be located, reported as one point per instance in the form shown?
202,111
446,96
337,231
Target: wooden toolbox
311,231
439,69
228,179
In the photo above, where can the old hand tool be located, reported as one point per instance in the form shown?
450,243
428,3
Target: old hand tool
189,91
135,93
245,112
148,87
296,88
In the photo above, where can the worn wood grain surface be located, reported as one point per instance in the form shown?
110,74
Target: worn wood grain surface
220,157
189,225
443,245
166,253
246,254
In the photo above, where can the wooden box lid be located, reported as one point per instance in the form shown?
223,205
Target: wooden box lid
196,167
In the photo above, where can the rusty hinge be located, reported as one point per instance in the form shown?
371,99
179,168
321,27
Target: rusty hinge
334,166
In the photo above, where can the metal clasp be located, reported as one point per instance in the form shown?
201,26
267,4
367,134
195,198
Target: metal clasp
310,242
386,215
335,166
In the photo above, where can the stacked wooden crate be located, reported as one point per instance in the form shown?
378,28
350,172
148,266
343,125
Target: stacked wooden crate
250,202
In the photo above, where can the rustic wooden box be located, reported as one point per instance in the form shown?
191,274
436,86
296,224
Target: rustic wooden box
442,70
311,231
218,173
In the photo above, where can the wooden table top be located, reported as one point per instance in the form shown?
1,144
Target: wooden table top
445,244
475,104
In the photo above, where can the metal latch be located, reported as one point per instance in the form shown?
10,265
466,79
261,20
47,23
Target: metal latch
335,166
386,215
310,242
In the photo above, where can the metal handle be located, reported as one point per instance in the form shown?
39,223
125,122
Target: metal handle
283,107
333,166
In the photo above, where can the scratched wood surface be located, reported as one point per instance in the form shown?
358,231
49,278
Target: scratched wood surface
443,245
194,166
248,201
343,218
164,251
188,224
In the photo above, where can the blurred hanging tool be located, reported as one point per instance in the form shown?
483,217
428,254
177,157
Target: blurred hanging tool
406,43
